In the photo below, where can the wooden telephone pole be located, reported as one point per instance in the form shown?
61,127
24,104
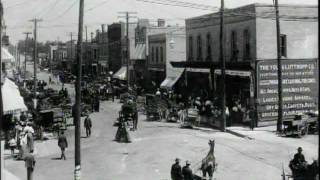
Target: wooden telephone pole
25,53
280,111
35,58
223,68
77,162
127,17
1,103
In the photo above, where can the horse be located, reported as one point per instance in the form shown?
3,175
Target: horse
305,172
208,165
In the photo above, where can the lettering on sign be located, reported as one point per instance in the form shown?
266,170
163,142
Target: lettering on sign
299,87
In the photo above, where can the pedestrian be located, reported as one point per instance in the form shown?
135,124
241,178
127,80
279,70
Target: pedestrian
50,79
63,144
187,171
96,103
13,145
176,172
30,141
23,117
30,164
88,125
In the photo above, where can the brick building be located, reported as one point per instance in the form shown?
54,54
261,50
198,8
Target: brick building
251,51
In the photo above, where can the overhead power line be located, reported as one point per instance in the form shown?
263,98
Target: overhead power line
51,7
17,4
97,5
65,12
182,4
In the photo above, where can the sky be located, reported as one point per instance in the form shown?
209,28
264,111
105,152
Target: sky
59,17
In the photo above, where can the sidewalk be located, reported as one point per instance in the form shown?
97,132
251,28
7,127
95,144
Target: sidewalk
9,176
246,132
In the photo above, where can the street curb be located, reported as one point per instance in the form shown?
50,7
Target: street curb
238,134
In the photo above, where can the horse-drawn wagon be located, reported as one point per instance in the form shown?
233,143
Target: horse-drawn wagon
156,107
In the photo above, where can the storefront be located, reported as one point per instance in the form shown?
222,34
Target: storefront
255,87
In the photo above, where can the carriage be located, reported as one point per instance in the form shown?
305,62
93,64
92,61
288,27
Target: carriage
128,115
172,114
156,107
191,118
303,171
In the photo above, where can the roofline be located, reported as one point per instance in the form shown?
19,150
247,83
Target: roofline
255,5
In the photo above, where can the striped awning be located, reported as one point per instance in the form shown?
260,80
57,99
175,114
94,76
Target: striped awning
12,100
139,52
6,56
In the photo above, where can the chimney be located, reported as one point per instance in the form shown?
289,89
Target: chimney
161,22
102,28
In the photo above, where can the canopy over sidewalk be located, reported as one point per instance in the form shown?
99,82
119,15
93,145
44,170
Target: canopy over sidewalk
12,100
6,56
121,73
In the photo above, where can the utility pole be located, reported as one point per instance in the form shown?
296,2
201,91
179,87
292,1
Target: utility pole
71,43
77,171
25,53
223,68
1,103
86,34
127,16
35,59
280,113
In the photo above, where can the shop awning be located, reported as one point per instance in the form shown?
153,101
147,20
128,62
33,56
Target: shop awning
210,64
234,73
6,56
121,73
169,82
139,52
12,100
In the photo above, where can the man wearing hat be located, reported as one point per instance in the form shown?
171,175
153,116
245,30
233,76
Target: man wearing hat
187,171
299,159
63,144
176,173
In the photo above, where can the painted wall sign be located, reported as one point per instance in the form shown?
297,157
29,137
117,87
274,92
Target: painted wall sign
300,87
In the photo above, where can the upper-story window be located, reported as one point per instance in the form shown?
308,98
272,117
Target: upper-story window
246,45
283,45
152,54
95,54
157,54
209,42
234,47
199,48
190,48
161,54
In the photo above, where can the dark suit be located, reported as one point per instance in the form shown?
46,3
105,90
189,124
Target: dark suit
88,125
63,144
176,173
187,173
